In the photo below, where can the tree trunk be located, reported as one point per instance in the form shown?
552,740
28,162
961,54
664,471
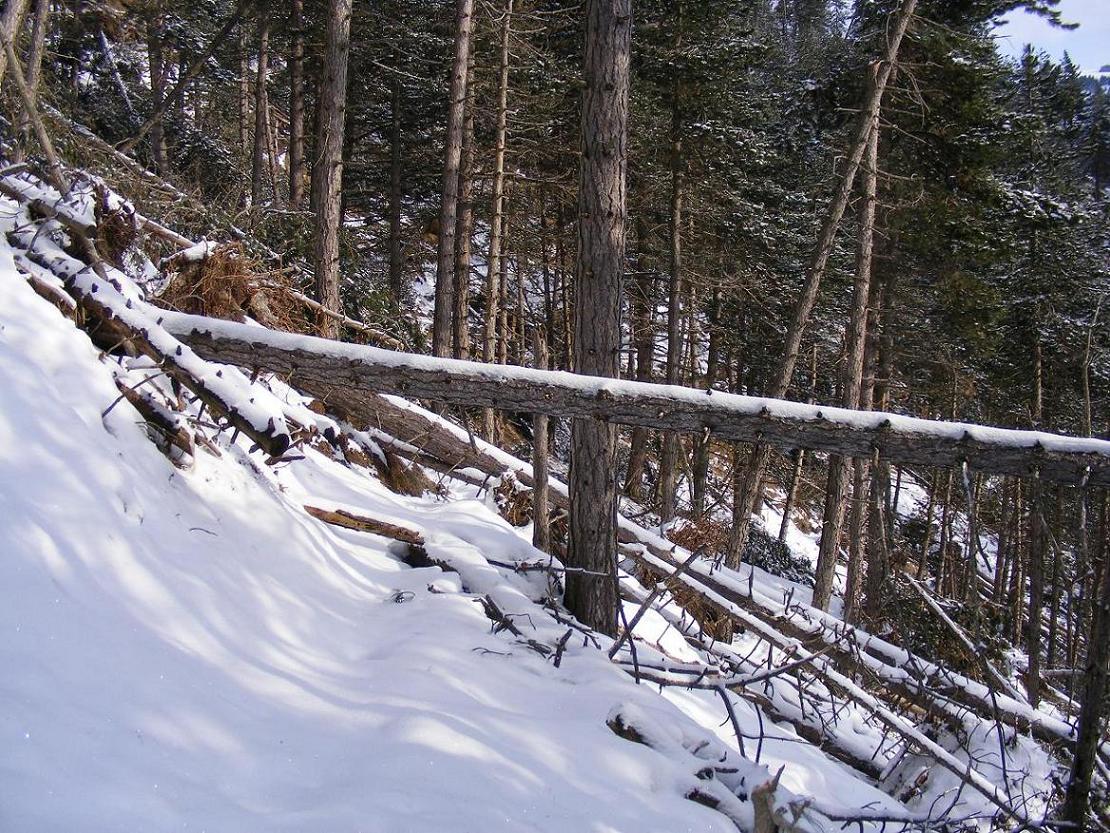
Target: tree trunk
158,91
642,305
854,338
296,107
869,114
1093,709
244,97
541,520
12,21
258,156
867,539
668,464
34,72
327,172
702,444
503,292
600,268
452,158
460,337
799,455
396,280
493,289
1033,639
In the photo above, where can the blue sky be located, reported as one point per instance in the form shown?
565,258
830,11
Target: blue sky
1089,45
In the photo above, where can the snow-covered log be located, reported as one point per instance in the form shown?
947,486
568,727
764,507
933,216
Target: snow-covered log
311,362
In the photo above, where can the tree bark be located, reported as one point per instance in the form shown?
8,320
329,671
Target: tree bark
642,304
599,273
261,104
452,158
296,107
854,338
34,72
914,442
396,279
1033,638
1093,709
158,91
493,262
327,172
541,519
668,464
460,338
869,114
702,444
12,21
244,97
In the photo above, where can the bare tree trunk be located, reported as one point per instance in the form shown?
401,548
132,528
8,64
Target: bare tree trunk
867,539
158,91
1033,639
503,289
819,262
296,107
113,70
668,464
1054,598
854,338
244,96
541,520
1017,575
327,172
493,289
460,336
1037,543
452,158
396,279
34,72
1093,709
799,455
272,154
592,596
702,444
12,21
1003,558
258,157
642,306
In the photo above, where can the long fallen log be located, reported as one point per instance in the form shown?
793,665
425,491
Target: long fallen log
904,440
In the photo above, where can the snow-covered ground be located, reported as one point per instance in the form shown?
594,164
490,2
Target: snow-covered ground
190,649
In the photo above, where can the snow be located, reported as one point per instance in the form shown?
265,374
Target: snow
192,650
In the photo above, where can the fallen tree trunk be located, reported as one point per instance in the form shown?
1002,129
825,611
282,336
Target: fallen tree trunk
166,424
310,362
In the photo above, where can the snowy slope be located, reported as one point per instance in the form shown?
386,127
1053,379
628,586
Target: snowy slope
188,650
